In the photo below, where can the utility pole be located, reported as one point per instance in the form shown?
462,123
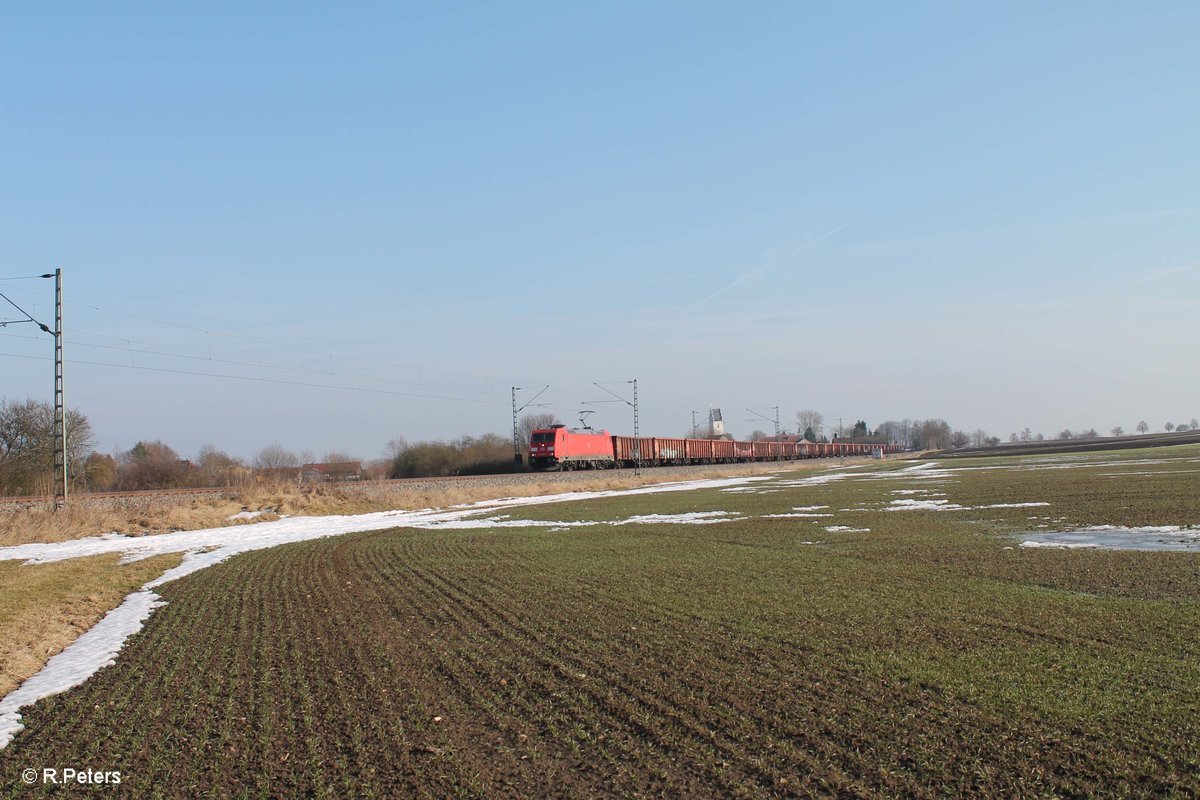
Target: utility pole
515,411
637,452
637,442
775,421
693,424
61,478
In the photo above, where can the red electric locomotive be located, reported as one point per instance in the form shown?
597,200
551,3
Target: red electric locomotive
558,448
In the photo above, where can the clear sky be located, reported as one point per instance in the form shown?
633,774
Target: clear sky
983,212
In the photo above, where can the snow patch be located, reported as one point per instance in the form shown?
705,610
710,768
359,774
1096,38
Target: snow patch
924,505
801,514
203,548
846,529
96,648
691,518
1112,537
1014,505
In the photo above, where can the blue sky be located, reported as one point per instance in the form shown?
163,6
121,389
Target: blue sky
982,213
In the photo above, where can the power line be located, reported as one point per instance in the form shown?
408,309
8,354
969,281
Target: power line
261,380
264,365
495,381
28,316
266,343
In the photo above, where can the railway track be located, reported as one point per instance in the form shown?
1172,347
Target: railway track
235,490
393,484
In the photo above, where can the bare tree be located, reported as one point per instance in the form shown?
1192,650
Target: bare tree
394,447
959,439
273,459
27,445
1118,431
810,419
1065,434
1026,435
1195,424
757,436
217,468
153,465
1170,426
1142,427
933,434
100,472
979,438
529,423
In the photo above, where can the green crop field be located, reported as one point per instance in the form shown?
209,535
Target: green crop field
889,636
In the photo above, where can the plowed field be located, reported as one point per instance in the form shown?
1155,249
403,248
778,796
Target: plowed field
927,657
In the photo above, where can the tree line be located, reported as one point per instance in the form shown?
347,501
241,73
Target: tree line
27,452
27,458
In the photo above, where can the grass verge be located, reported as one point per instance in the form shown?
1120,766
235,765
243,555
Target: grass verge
45,607
142,515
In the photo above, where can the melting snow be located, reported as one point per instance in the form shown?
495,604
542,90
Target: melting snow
1014,505
1112,537
94,649
692,518
203,548
846,529
924,505
800,514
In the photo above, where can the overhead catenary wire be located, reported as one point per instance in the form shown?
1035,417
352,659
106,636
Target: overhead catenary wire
440,390
28,316
492,379
259,379
281,368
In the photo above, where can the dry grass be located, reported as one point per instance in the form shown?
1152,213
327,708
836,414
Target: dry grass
45,607
157,514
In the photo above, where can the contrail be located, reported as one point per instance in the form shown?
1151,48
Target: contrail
770,265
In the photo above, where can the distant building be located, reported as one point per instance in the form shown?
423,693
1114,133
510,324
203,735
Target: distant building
338,471
716,424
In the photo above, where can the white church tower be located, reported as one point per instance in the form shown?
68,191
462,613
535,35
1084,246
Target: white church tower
716,424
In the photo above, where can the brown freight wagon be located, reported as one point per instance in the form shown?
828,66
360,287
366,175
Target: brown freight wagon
630,449
723,450
698,449
670,451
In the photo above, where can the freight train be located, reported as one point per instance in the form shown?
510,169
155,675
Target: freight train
556,448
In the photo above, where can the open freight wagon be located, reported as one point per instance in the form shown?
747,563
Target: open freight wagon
558,448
